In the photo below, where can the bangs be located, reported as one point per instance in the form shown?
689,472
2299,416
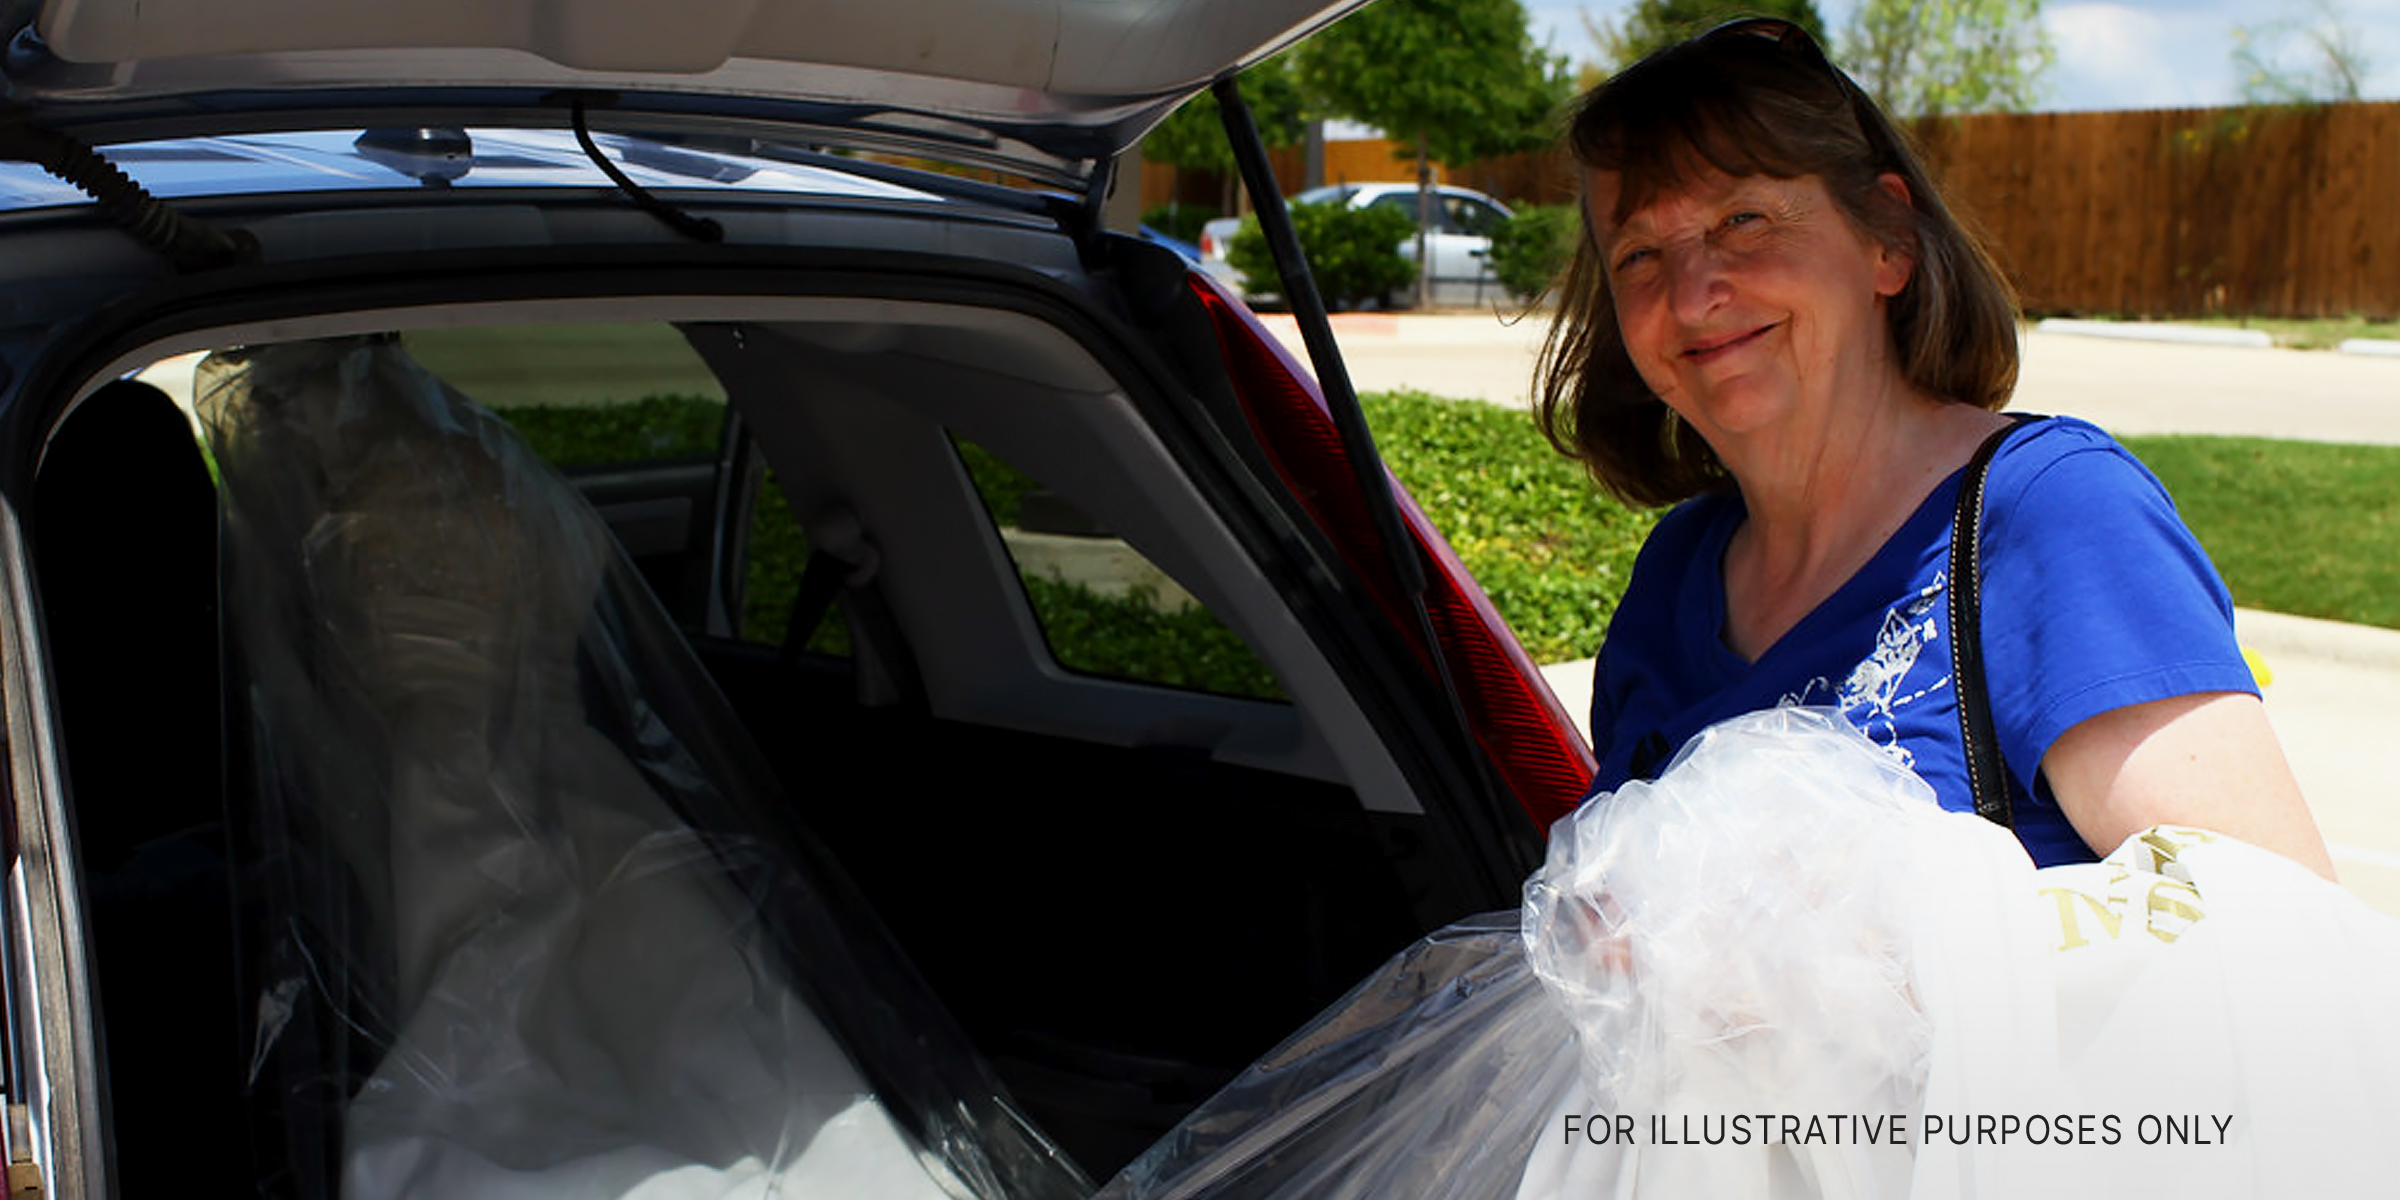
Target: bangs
1744,110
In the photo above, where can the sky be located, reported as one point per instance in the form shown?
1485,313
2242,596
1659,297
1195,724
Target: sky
2120,55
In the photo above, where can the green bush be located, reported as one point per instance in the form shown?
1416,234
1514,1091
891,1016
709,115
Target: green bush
1002,486
1530,250
595,435
1354,253
1551,552
1136,637
1179,220
778,553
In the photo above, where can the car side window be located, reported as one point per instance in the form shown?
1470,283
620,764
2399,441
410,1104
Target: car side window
1105,609
1401,202
632,414
1473,217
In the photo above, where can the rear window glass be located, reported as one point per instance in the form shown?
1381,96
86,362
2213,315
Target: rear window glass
585,395
635,402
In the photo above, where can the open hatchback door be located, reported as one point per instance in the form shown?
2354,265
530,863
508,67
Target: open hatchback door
614,600
1050,90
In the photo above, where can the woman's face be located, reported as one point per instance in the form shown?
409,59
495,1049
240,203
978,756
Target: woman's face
1750,301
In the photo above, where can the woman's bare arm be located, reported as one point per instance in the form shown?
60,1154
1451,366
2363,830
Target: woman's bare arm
2209,760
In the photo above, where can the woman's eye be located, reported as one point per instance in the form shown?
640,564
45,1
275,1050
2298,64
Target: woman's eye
1634,257
1745,217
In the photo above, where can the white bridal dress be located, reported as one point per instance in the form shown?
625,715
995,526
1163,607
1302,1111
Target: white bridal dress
512,907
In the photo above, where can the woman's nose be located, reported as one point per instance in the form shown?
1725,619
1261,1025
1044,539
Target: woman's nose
1697,282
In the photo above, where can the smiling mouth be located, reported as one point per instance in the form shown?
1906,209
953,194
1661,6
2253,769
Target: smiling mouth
1708,350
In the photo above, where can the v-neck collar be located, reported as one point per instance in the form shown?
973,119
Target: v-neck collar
1870,579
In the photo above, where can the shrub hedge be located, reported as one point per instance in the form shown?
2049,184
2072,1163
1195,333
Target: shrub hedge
1179,220
1353,253
1531,249
1551,552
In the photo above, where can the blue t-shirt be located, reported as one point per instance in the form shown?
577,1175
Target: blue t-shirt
2095,596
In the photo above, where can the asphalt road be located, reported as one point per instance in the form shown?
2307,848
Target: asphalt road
2335,691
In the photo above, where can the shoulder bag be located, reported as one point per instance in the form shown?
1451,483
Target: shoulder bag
1987,771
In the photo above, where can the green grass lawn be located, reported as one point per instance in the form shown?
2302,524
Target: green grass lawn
2304,528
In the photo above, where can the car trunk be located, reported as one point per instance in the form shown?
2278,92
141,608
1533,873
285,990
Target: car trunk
1122,888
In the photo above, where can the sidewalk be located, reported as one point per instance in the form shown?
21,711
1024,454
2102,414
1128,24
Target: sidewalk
2335,690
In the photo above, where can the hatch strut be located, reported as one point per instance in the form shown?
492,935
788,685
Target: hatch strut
1079,217
1490,816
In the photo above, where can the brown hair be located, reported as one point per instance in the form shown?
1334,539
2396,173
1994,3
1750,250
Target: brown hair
1755,98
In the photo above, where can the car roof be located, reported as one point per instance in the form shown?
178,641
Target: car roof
467,159
1333,191
1051,88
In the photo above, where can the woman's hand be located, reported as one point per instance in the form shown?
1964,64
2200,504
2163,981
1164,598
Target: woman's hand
2209,760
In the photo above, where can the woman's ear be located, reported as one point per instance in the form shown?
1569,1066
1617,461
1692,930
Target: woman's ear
1897,260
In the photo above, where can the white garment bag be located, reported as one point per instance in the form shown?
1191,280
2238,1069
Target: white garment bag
1781,970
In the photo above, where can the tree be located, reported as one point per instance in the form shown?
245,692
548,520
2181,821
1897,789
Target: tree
2313,59
1652,25
1192,138
1457,79
1928,57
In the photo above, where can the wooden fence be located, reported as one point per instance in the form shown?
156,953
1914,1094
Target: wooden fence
2188,212
1345,162
2165,213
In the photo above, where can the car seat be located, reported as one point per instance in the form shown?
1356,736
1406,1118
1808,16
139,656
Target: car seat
123,531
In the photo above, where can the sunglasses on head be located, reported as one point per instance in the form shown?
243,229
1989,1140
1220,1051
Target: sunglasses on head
1787,36
1792,40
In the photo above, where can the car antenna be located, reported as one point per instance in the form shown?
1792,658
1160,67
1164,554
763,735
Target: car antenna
1350,421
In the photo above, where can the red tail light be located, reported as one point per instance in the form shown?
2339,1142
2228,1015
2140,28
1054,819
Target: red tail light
1513,714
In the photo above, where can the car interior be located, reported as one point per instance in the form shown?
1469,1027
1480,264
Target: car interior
934,577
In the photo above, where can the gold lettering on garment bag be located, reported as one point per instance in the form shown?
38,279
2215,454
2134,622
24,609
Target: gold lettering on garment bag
2143,875
2070,930
2169,918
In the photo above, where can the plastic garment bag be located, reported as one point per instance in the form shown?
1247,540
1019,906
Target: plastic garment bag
1782,971
525,918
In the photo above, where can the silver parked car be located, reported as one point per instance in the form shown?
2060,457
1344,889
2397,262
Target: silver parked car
580,622
1459,237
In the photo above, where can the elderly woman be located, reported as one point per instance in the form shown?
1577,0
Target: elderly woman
1777,326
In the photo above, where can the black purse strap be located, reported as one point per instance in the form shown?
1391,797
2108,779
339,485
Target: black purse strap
1987,771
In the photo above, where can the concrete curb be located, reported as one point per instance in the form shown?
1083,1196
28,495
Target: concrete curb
2278,634
2378,347
1457,327
1571,682
2149,331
